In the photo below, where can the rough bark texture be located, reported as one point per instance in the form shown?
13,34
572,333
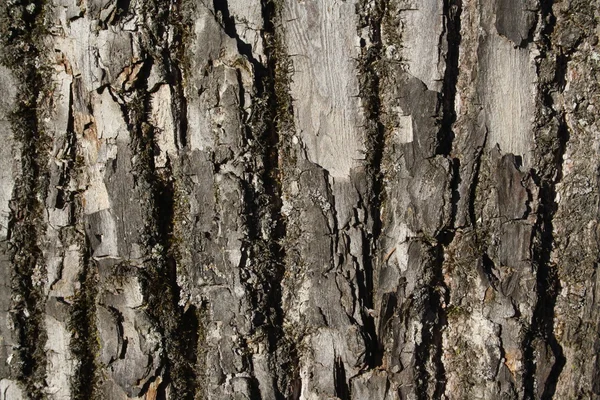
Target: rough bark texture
303,199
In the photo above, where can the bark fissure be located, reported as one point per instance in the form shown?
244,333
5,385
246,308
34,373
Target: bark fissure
475,182
84,340
27,219
548,284
227,21
263,255
341,384
279,159
175,65
452,12
429,367
435,319
369,80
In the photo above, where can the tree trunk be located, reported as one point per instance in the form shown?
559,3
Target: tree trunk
299,199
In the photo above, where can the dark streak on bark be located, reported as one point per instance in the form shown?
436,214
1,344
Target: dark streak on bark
228,24
452,12
434,317
434,320
369,87
341,383
64,196
175,64
475,182
179,329
122,8
21,28
84,342
548,283
550,174
286,360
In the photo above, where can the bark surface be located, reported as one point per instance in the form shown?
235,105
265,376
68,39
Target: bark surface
299,199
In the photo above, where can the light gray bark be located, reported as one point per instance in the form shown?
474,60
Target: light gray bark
268,199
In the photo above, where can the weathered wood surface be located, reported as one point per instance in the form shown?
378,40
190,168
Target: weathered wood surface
304,199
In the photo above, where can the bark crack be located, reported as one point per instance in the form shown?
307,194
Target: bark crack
369,90
546,178
21,40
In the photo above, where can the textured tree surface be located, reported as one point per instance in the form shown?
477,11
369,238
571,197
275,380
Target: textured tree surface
299,199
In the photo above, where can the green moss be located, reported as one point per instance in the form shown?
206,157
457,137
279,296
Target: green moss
456,313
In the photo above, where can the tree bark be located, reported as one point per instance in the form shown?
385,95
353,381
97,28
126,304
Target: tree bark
300,199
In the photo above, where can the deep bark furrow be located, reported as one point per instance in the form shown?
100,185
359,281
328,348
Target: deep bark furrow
285,357
26,226
440,295
369,92
84,340
548,284
452,11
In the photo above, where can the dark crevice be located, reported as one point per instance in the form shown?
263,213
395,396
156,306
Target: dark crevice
446,234
364,279
179,329
541,331
560,76
120,11
174,60
435,317
342,391
547,280
369,86
488,266
434,320
64,196
452,12
178,107
228,24
84,343
20,31
118,316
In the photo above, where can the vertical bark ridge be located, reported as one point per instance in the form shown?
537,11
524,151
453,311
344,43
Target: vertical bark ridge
83,340
178,327
548,286
26,228
440,295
